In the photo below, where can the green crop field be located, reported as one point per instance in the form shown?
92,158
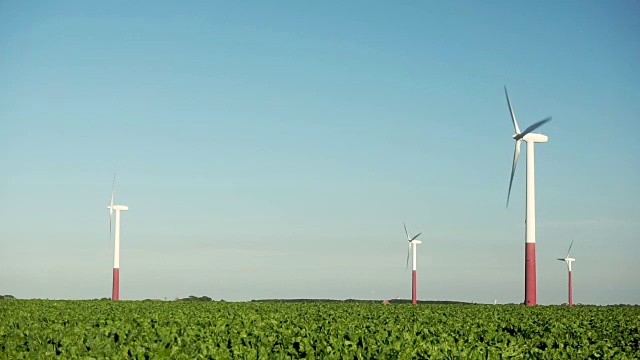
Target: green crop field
41,329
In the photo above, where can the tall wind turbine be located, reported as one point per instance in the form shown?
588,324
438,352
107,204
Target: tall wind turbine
413,243
115,292
530,221
569,260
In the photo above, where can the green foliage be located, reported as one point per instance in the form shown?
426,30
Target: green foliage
94,329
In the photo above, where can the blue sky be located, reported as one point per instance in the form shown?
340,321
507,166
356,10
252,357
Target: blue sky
273,149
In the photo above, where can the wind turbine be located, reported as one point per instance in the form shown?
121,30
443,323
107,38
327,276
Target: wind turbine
569,260
530,221
115,292
413,243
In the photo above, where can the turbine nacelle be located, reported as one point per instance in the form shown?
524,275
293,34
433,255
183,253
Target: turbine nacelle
532,137
568,261
118,207
415,242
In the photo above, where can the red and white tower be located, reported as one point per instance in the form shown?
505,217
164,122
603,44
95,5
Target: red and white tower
413,243
115,292
414,276
569,260
531,139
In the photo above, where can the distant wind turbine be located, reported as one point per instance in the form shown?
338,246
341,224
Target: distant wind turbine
569,260
115,292
530,221
413,243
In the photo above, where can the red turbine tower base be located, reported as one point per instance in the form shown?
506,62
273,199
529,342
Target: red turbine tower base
570,291
115,293
414,288
530,275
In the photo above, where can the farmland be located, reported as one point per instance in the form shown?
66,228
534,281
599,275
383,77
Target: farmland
42,329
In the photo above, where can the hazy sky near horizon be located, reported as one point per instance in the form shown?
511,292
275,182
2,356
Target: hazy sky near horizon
273,149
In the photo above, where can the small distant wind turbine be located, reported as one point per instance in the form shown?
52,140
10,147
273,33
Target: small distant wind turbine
115,292
413,243
569,260
530,220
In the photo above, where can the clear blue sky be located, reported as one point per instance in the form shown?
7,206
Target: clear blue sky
273,149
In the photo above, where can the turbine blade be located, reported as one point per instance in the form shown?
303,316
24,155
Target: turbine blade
570,248
408,252
415,237
516,156
113,187
533,127
513,115
406,232
560,259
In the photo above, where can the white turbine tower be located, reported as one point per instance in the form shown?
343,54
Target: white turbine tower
569,260
530,221
115,292
413,243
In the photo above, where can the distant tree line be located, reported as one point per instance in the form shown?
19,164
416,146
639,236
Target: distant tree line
196,298
7,297
391,301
